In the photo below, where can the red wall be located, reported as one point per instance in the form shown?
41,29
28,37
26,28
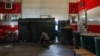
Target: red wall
90,28
79,5
4,28
74,27
73,8
93,28
15,9
89,4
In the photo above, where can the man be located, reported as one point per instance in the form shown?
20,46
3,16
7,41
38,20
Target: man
45,38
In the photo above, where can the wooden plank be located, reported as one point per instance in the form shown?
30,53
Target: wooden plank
88,55
82,52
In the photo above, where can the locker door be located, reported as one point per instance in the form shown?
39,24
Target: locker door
24,33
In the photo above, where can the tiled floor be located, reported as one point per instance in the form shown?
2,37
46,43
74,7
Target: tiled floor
35,50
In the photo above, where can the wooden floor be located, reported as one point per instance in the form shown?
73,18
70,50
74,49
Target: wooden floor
35,50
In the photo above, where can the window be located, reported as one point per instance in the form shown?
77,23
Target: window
8,5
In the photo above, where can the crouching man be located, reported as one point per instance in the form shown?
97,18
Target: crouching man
45,39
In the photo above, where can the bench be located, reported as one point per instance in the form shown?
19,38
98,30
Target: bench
82,52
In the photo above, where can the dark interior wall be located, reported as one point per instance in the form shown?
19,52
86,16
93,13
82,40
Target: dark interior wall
30,29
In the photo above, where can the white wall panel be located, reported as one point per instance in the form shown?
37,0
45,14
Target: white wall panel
30,1
55,1
10,23
60,16
73,1
30,10
54,5
55,8
30,13
32,5
94,22
93,14
54,11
